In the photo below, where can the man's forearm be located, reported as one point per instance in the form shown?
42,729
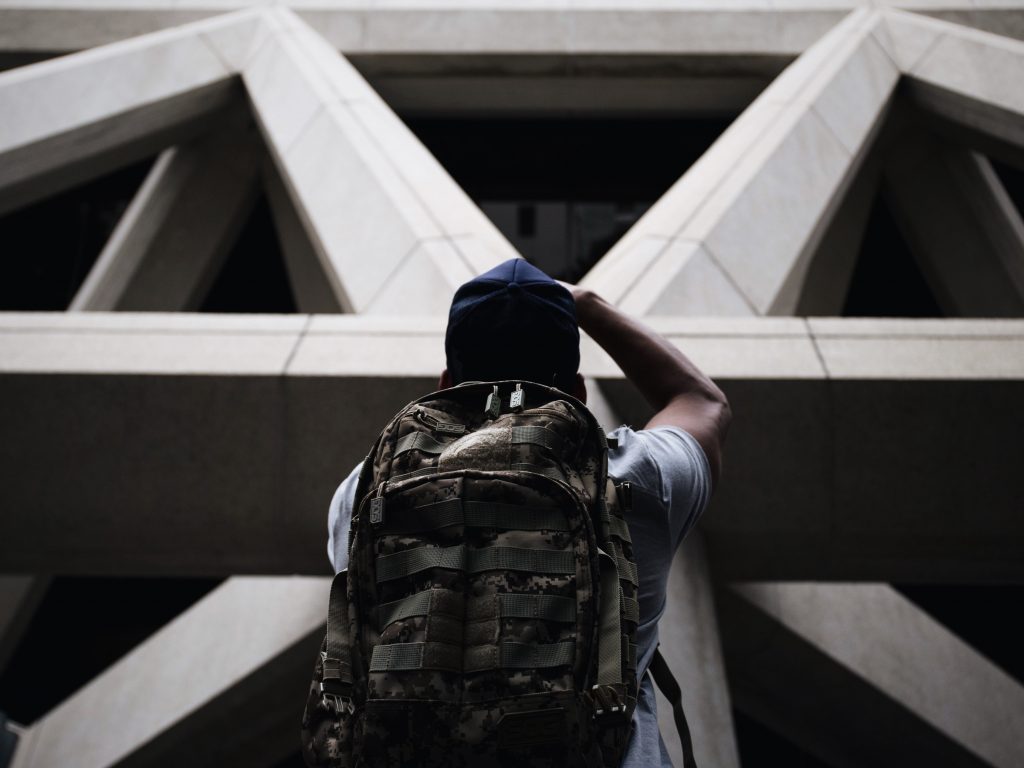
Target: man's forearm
658,369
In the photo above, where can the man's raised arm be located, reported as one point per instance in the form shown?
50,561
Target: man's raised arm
680,394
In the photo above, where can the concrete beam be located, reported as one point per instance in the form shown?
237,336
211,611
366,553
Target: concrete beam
177,232
965,231
157,90
488,27
858,675
393,231
964,76
689,636
830,469
241,655
735,235
784,27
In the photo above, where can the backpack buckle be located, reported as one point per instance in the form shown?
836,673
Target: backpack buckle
335,698
607,703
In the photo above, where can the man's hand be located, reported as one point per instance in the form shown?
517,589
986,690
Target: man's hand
681,395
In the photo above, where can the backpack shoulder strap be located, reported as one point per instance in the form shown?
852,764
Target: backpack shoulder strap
667,684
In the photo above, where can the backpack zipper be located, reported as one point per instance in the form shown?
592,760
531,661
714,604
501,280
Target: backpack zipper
437,425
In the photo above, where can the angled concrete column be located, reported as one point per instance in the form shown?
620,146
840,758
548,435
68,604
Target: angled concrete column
61,128
967,77
222,684
736,233
827,282
391,229
310,283
690,643
173,239
19,598
964,230
860,676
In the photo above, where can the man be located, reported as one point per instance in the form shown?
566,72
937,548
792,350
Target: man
515,322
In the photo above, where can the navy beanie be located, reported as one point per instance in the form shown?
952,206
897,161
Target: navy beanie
513,322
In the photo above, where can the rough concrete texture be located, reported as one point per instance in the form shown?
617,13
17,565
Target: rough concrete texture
241,655
890,685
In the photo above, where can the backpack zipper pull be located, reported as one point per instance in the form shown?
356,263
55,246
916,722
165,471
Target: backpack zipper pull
377,506
493,406
517,402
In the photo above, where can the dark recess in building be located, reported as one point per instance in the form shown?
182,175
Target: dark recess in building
50,246
980,615
82,626
1013,181
601,168
254,277
761,747
886,280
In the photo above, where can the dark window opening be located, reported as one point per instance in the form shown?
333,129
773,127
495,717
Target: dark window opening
254,277
886,280
50,246
586,180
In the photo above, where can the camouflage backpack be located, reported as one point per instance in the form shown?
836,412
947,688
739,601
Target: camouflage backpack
489,612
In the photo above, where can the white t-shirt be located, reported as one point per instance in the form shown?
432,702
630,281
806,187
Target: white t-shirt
671,483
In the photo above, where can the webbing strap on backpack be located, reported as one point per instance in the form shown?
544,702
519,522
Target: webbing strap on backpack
336,685
667,684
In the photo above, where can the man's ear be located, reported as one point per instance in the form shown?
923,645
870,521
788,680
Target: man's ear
580,392
445,381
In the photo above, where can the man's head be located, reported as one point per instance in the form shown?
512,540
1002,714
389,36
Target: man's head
514,322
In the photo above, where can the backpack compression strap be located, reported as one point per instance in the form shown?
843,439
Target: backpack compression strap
666,682
336,685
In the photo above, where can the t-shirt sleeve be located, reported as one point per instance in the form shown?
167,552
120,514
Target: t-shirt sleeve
339,516
668,463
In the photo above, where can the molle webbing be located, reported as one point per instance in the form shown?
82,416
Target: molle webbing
461,558
475,514
546,607
397,657
426,443
500,606
632,610
541,436
618,527
627,570
609,638
419,441
428,601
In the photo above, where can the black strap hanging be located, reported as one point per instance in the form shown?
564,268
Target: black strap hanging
667,684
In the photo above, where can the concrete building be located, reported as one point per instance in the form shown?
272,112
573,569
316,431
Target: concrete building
827,145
